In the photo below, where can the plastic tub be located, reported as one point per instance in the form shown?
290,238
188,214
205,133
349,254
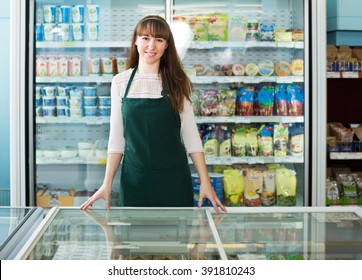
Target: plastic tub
90,100
90,111
104,111
104,100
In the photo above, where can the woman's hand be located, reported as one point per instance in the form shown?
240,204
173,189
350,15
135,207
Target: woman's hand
103,192
207,191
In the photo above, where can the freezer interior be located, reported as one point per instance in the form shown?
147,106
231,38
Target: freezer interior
321,234
127,234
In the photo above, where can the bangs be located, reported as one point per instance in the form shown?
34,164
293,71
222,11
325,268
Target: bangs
153,27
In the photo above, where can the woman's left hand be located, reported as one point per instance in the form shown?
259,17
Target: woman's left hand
207,191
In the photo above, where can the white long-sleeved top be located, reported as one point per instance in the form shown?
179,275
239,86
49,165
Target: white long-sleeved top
146,86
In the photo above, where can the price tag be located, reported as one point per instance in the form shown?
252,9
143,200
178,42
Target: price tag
353,75
333,75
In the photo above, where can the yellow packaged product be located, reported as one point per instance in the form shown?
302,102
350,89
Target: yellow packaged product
283,68
298,67
251,69
233,187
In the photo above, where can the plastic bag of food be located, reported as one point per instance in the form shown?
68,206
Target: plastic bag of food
266,100
253,183
245,101
252,142
238,142
209,102
286,185
295,99
233,187
268,192
227,100
280,140
265,140
281,98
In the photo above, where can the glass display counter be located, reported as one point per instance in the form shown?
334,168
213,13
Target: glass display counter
16,226
315,233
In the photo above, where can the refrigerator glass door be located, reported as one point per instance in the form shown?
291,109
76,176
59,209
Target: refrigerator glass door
248,64
16,224
79,47
129,234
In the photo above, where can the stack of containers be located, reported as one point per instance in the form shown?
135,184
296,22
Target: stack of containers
90,101
67,23
76,102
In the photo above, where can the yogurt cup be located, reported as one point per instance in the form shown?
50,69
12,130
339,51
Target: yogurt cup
63,91
39,111
90,111
92,31
89,91
51,153
90,101
62,100
78,13
62,111
48,31
75,93
93,13
64,32
76,112
48,101
85,145
64,14
49,13
48,111
78,32
104,100
75,103
105,111
38,101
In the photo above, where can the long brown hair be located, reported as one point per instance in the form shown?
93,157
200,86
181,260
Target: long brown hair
172,73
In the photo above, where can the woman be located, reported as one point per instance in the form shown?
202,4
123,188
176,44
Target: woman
153,127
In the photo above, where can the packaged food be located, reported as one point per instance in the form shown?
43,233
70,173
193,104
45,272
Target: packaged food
283,68
280,139
251,142
62,65
64,34
281,99
75,65
92,31
283,36
227,100
196,189
78,32
233,187
266,100
199,26
266,67
296,141
269,188
251,69
238,142
52,65
121,64
266,31
78,13
195,98
93,13
108,65
209,102
245,101
210,142
238,69
295,99
265,140
253,183
217,27
286,186
298,67
41,66
237,27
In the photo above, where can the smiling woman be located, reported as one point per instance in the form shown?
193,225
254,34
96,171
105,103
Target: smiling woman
153,127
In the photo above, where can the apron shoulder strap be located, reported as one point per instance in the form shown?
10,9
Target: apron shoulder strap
130,82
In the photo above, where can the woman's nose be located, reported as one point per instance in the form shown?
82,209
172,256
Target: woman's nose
151,44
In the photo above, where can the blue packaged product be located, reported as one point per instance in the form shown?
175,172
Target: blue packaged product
64,14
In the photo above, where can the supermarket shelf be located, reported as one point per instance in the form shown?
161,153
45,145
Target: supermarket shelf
74,160
344,75
85,44
193,45
85,120
251,160
216,119
209,160
195,79
250,119
345,156
245,79
79,79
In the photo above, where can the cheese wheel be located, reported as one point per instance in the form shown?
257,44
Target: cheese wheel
251,69
283,68
238,69
266,67
298,67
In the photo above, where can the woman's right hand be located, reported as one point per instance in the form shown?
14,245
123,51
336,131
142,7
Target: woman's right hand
103,192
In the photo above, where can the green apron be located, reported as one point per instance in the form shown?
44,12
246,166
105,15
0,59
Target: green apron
155,170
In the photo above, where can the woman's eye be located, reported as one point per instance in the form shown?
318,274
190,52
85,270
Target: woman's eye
160,40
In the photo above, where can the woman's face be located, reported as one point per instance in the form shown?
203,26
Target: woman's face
150,49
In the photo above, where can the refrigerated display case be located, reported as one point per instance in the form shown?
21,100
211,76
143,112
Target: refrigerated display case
17,225
279,233
257,121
